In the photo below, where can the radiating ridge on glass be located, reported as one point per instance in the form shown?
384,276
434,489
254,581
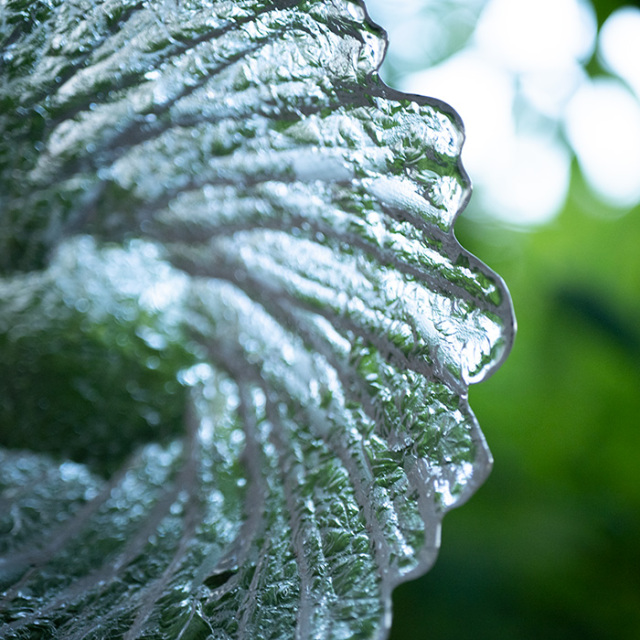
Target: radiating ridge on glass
239,330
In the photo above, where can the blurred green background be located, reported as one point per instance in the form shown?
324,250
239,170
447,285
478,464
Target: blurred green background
549,547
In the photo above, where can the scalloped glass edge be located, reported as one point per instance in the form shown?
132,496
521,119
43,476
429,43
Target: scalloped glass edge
484,459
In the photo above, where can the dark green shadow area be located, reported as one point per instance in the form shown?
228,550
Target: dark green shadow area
86,389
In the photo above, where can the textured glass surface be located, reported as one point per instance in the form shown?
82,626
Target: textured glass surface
237,330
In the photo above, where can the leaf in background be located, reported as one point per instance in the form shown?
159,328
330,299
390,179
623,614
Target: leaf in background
327,329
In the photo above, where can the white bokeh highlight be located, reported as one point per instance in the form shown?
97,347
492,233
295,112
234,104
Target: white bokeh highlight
526,35
528,105
603,126
619,45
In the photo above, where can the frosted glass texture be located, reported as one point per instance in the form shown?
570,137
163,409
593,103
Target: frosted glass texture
237,243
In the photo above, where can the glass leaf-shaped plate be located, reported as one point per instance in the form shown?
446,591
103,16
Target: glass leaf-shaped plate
333,322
